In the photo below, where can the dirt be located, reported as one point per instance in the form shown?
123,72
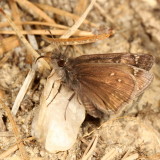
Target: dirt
134,135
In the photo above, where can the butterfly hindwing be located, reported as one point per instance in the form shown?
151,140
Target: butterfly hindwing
109,86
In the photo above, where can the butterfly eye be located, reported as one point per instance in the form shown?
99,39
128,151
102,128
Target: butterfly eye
61,63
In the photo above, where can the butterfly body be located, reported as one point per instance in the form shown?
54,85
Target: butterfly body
106,82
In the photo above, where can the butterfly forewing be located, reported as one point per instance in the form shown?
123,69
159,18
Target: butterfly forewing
144,61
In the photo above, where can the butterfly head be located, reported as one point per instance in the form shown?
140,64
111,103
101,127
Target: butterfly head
60,59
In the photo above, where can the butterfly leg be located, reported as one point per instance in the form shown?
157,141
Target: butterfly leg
55,94
70,98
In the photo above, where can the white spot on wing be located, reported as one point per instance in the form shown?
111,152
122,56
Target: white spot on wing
136,58
112,74
119,80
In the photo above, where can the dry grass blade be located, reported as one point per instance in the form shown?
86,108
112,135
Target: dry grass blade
128,152
36,10
131,157
110,155
32,38
25,42
15,13
77,41
77,24
55,25
45,32
13,148
90,149
102,11
15,130
73,29
62,13
23,89
8,152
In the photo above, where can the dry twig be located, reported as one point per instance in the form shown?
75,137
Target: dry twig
90,149
35,9
73,29
22,38
15,131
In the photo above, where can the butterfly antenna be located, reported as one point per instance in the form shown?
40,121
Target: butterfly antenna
58,47
55,44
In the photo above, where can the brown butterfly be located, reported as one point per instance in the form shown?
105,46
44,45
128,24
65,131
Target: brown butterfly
106,82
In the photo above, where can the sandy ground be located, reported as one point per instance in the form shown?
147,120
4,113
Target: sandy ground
133,136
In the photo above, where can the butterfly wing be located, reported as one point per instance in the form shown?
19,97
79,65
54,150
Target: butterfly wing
143,61
109,86
142,77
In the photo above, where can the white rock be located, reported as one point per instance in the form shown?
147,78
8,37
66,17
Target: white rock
56,125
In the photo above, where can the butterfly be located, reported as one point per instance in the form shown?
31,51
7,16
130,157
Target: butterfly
106,82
